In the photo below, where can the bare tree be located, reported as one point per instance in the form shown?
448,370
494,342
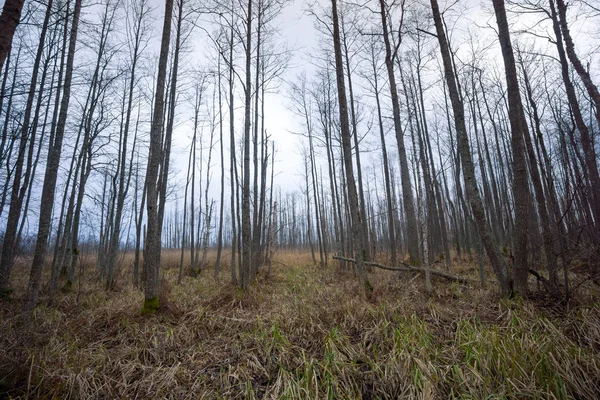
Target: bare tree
356,217
407,197
246,218
152,244
10,240
468,168
50,177
519,129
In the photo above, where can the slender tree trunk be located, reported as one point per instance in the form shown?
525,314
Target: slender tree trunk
356,217
50,176
256,225
271,235
185,196
547,232
519,129
123,181
386,169
166,151
476,204
222,199
6,155
361,193
246,217
584,74
152,244
18,193
308,211
138,236
407,197
233,162
587,143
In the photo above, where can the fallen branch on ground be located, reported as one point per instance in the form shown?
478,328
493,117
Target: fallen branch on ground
410,268
540,278
280,263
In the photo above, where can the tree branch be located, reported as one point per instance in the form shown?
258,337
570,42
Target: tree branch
410,268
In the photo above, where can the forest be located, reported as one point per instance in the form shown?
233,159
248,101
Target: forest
339,199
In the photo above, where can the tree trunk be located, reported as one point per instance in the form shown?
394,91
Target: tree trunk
152,244
9,19
407,197
587,142
591,88
246,218
18,193
356,217
222,199
474,197
123,182
519,129
50,176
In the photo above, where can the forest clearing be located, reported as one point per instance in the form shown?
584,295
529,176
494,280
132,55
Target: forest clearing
303,332
300,199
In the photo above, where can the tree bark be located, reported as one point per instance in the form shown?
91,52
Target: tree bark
407,197
498,264
519,129
9,19
591,88
152,244
18,193
587,143
246,218
355,215
50,176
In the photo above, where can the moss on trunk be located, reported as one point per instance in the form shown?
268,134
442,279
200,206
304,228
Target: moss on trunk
67,287
150,306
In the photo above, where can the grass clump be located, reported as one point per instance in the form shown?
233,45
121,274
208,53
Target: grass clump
305,332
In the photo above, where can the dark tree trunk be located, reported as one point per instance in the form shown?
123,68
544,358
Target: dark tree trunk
407,197
50,176
152,244
587,144
355,215
519,129
246,218
18,193
468,167
9,19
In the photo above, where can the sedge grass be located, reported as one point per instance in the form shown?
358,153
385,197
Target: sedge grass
304,332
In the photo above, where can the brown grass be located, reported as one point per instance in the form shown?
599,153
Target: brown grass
305,332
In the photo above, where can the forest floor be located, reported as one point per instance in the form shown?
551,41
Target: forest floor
304,332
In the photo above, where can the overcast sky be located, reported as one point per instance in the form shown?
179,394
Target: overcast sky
297,29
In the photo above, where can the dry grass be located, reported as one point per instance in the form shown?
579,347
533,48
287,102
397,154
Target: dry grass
305,332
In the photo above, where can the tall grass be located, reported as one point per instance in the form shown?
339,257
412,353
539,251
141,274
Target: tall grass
304,332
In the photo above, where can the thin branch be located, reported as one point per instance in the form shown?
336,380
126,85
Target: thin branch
410,268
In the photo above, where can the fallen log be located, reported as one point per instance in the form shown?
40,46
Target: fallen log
410,268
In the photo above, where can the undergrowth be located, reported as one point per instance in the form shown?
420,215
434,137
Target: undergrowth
305,332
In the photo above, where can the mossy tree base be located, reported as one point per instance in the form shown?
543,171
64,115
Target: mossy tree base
194,273
150,306
68,286
6,294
